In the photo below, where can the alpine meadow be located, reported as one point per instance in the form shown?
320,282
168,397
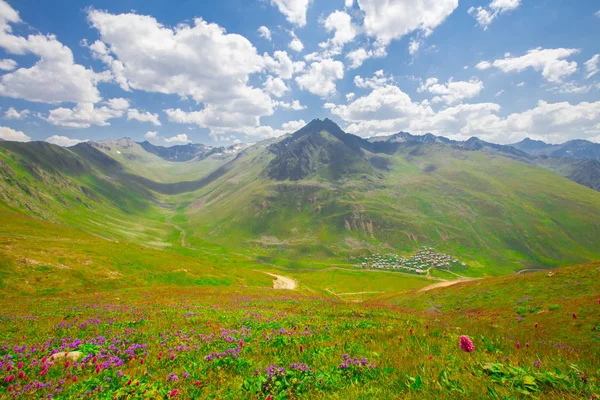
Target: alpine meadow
300,199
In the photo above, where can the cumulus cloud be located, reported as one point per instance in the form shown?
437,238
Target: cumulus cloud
181,138
282,65
12,135
143,116
276,86
295,44
387,20
12,113
387,109
321,76
379,79
293,10
7,64
293,126
63,141
151,134
551,62
264,33
592,66
151,57
452,91
485,15
84,115
54,78
294,105
340,23
359,56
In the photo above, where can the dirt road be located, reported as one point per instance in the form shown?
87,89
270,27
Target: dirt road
283,283
445,284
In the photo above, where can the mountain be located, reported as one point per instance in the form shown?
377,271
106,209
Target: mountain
179,153
575,149
317,194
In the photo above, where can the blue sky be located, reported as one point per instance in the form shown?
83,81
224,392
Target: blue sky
245,70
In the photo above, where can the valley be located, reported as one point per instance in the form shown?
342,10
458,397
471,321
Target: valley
303,251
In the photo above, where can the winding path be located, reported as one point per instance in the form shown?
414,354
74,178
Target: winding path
283,282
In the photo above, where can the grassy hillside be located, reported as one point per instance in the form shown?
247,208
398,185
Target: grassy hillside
533,336
494,213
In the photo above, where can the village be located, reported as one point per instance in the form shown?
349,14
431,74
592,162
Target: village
420,263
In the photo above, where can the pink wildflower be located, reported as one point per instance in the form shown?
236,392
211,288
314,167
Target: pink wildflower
574,315
518,346
466,344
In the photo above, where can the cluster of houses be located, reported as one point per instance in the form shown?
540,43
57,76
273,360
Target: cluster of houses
427,258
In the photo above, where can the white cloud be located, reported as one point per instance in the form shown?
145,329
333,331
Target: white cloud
264,33
294,105
11,113
571,88
551,62
521,84
387,20
293,126
485,15
295,44
358,56
321,76
452,91
143,116
84,115
348,3
63,141
592,66
294,10
388,110
181,138
10,134
155,58
350,96
151,134
499,93
54,78
340,23
413,46
282,65
7,64
276,86
379,79
597,13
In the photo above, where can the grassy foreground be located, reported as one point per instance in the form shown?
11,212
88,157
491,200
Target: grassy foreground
535,336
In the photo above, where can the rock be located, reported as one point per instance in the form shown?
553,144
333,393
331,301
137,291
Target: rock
71,355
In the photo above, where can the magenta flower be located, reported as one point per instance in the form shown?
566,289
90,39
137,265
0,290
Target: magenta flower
466,344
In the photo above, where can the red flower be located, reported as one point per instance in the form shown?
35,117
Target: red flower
518,346
574,315
536,325
20,364
173,393
466,344
21,374
301,348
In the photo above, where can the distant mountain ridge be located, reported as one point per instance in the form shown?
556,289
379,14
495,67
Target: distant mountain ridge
575,149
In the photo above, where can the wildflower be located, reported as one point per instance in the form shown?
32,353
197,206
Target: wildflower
466,344
527,344
9,378
301,348
574,316
518,346
411,331
20,364
537,363
173,393
21,374
536,325
430,357
172,377
197,383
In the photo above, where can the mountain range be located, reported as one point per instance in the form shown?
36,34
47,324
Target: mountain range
317,194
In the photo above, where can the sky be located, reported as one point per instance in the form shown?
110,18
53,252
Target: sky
230,71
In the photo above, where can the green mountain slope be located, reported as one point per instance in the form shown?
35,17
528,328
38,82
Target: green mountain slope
494,212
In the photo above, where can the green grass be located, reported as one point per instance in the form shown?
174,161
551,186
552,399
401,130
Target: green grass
161,341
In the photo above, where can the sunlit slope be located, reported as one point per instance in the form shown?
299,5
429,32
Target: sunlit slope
60,186
495,213
140,162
